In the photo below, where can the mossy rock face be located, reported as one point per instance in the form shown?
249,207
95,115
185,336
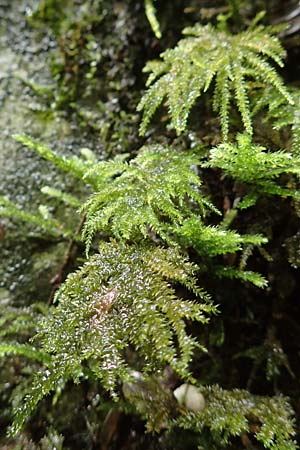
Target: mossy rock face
24,54
71,77
45,265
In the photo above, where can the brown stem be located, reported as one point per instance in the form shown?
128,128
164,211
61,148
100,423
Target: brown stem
58,278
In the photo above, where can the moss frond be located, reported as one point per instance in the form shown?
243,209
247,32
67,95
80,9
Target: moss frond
50,226
157,189
76,167
283,114
188,70
244,275
26,350
232,413
151,16
121,297
68,199
214,240
254,165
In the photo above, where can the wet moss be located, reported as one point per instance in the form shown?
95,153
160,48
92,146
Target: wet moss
71,76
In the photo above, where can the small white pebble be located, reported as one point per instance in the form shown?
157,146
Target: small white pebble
189,396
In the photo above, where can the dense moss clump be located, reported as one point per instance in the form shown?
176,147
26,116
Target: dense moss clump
163,308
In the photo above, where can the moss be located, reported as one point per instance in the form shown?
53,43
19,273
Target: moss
72,77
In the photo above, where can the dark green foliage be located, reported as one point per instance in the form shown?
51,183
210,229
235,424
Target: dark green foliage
292,245
188,70
152,399
51,12
271,355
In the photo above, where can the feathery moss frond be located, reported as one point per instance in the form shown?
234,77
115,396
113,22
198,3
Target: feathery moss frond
186,71
17,326
253,165
213,240
26,350
157,188
151,16
51,226
20,322
151,399
231,413
221,100
121,296
68,199
76,167
244,275
283,114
